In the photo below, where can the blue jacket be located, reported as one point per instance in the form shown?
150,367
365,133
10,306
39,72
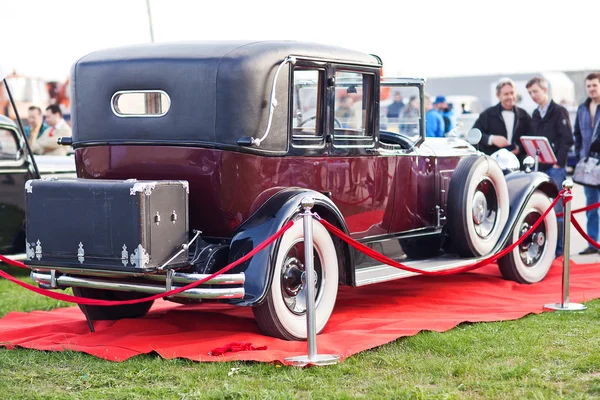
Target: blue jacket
434,124
395,109
449,120
583,129
42,129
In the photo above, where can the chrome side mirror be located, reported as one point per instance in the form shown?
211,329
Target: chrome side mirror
474,136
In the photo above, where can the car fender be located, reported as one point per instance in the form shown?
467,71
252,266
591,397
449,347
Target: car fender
267,220
521,186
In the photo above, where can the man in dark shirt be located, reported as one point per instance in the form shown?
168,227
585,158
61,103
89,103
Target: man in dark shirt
551,120
503,125
394,109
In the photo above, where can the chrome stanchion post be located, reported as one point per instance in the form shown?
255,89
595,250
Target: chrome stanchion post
309,280
565,305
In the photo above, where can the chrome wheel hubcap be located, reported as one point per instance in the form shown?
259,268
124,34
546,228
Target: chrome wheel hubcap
532,248
293,279
485,208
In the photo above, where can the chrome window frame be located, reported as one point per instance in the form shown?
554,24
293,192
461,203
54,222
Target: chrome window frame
121,92
19,155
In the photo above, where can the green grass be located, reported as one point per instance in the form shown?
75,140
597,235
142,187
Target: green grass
551,355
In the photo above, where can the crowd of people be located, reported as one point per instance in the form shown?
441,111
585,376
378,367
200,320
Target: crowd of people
43,133
503,124
439,116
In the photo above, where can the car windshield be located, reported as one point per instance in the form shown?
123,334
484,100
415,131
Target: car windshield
400,111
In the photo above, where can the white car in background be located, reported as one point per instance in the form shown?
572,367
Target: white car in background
465,121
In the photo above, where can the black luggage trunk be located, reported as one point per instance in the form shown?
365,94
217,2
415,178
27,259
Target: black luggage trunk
132,226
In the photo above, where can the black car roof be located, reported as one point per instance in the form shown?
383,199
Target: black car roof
240,50
218,89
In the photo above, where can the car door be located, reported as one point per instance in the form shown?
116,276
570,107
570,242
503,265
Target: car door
405,177
352,162
14,172
402,125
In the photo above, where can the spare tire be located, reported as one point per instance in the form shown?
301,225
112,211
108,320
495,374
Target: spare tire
478,206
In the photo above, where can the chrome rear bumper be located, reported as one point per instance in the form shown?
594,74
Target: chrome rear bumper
153,284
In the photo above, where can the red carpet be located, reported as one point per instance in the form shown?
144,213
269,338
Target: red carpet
363,318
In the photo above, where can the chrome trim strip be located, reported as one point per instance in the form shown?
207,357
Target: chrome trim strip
196,293
17,257
419,232
395,81
88,272
308,138
12,171
224,279
384,273
335,61
178,277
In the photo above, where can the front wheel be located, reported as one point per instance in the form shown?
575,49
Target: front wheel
530,261
113,312
283,313
478,204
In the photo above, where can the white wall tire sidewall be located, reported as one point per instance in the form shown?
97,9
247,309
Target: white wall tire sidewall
296,324
540,202
491,170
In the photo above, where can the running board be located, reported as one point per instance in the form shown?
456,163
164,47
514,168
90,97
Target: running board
384,273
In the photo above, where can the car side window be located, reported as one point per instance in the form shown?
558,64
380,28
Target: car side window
8,145
353,102
400,111
307,95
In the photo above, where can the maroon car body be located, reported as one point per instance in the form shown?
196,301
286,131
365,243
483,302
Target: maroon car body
254,127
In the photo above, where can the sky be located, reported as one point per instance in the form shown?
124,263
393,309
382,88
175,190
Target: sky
426,38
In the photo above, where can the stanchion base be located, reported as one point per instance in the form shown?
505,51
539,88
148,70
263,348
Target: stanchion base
565,307
319,359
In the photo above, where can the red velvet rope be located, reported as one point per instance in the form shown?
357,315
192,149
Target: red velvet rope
578,210
381,258
582,233
95,302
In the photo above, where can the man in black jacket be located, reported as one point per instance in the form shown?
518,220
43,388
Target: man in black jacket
502,125
551,120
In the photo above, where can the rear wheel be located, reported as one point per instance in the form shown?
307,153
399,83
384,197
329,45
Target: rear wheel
530,261
113,312
283,313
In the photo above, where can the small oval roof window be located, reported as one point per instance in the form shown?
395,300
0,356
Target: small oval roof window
140,103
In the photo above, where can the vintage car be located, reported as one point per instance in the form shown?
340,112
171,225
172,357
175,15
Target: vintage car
16,168
254,128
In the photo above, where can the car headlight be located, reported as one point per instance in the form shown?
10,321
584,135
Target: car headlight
507,160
